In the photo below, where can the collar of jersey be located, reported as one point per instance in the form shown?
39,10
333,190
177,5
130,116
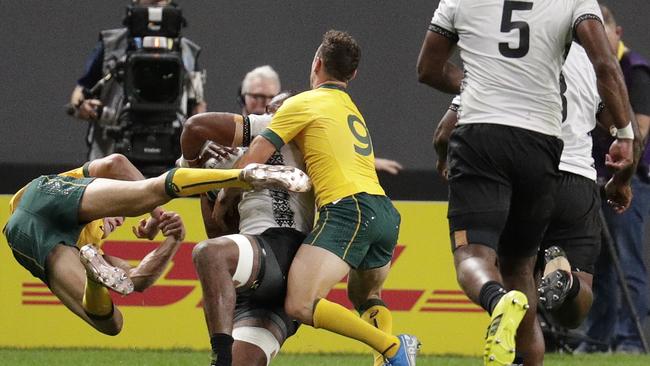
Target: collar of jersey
331,86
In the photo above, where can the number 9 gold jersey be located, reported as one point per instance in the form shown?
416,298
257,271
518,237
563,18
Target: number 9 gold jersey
329,130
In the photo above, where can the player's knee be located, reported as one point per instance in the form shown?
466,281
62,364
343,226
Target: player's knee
222,254
114,164
207,251
117,160
303,311
109,166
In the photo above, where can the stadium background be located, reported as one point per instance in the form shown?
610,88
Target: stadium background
46,44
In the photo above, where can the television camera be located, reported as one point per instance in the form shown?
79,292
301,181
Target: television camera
143,100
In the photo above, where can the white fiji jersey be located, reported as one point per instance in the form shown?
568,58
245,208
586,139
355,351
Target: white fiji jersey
580,96
264,209
512,53
582,106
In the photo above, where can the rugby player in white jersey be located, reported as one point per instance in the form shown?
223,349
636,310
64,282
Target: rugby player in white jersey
505,152
572,241
268,219
243,275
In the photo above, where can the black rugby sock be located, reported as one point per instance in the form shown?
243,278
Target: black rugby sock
221,349
490,295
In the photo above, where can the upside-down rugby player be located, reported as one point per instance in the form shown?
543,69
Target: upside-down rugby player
53,213
44,240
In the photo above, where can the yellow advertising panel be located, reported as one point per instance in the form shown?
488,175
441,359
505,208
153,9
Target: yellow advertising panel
421,290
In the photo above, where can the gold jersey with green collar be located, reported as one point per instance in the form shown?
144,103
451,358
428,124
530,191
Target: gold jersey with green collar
331,133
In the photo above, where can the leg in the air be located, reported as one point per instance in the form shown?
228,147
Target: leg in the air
565,293
578,302
67,280
107,197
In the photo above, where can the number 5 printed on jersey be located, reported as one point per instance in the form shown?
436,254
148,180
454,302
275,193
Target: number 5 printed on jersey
508,25
355,124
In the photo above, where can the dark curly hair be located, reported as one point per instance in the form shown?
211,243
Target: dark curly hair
340,54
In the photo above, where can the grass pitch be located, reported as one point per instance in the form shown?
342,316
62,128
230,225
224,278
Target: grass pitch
101,357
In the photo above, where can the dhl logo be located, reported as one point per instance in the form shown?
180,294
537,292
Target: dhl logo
183,275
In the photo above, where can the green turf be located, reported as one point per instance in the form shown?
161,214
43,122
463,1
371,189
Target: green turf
79,357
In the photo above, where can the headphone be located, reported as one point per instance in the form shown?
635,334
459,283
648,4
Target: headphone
240,97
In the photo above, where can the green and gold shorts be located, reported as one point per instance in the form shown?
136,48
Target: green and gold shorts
46,216
361,229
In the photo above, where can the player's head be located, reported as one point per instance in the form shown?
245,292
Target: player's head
337,58
614,31
258,87
110,224
277,101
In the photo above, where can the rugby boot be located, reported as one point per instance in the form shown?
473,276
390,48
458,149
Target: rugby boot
100,271
555,258
557,279
409,346
262,176
500,336
553,289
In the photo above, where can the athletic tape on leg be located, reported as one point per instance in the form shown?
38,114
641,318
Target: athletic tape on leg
260,337
245,261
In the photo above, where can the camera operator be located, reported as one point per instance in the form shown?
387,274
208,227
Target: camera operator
102,95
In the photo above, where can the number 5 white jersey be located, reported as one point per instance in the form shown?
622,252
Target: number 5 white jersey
512,53
581,103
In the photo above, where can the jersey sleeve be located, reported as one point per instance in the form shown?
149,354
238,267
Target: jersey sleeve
584,10
455,104
287,122
443,21
258,123
81,172
253,126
